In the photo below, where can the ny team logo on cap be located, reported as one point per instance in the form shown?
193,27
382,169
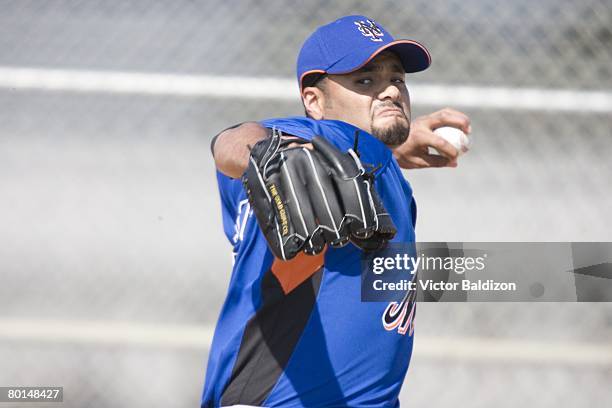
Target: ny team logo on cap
369,29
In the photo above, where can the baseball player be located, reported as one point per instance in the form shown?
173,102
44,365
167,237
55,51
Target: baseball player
302,199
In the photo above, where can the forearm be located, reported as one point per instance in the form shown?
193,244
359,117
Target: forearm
230,149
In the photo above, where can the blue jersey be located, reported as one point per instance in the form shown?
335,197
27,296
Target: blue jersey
295,333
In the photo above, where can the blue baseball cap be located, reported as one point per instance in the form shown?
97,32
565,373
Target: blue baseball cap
349,43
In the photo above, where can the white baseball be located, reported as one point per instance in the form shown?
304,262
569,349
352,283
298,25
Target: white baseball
454,136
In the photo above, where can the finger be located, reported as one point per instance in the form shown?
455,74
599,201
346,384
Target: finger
427,161
444,148
433,160
452,163
301,167
342,163
300,145
358,205
323,199
448,117
281,232
297,203
353,190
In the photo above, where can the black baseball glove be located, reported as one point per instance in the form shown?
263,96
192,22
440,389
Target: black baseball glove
304,198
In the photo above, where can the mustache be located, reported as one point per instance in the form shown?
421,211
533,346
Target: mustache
389,104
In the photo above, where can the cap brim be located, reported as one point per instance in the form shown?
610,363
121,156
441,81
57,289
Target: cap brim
414,57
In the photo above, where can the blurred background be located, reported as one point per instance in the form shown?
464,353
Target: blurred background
113,262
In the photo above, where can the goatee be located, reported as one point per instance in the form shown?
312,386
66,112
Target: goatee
393,135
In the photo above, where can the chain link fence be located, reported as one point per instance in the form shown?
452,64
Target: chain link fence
110,214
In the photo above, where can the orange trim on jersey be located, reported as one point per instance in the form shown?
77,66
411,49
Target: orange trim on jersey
293,272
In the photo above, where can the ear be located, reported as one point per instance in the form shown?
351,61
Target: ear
314,101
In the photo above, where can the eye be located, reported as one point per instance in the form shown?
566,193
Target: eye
398,80
364,81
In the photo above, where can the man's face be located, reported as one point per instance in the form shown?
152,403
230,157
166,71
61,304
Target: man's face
374,98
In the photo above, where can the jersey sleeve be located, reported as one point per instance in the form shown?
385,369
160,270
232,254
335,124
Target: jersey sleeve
295,126
233,198
234,203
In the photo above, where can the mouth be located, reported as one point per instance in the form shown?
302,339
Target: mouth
391,112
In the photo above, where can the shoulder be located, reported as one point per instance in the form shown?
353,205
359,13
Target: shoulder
294,125
306,127
339,133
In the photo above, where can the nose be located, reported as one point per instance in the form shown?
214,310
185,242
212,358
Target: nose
392,92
